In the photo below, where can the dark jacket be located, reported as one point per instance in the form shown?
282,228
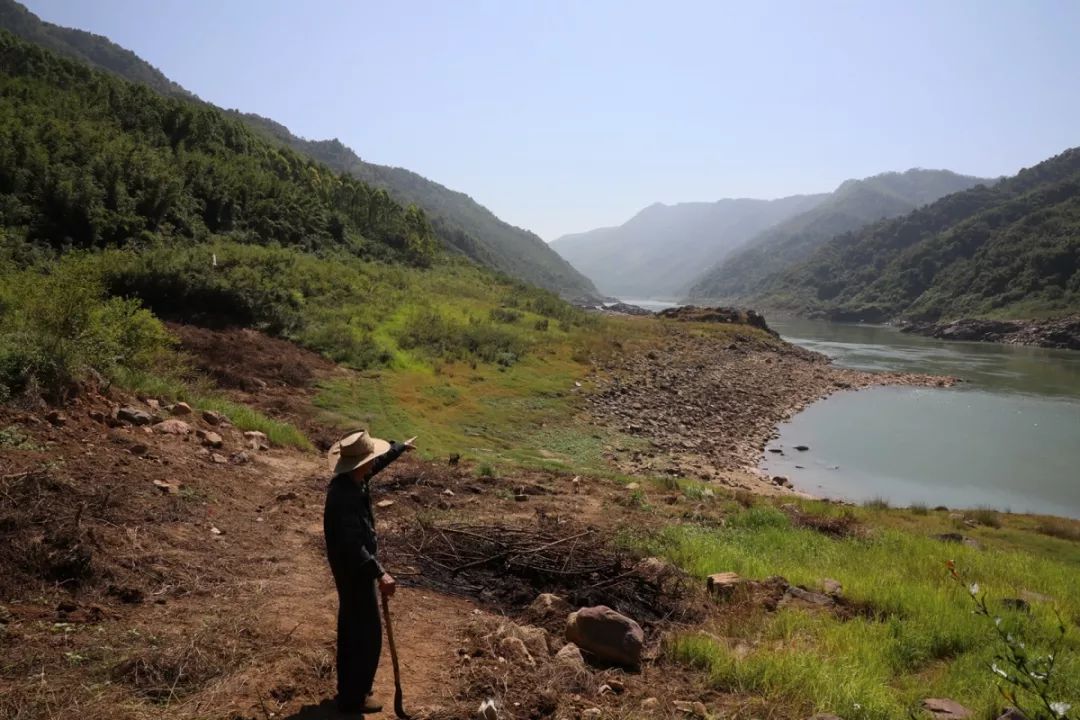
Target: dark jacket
349,523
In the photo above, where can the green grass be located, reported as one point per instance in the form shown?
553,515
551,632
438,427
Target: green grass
247,418
924,640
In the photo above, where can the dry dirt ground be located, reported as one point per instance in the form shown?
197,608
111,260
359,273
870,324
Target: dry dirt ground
147,576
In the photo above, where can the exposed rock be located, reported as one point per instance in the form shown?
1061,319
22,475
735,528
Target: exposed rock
213,418
832,587
139,449
218,458
1062,333
383,504
514,650
810,597
650,704
693,708
133,415
488,710
239,458
607,635
257,440
734,316
209,438
570,656
180,408
548,607
173,427
802,448
945,709
167,487
57,418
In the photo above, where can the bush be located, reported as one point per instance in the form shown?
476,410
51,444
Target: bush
58,327
504,315
430,332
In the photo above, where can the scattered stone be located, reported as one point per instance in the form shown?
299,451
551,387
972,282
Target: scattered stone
945,709
57,418
209,438
802,448
777,451
180,408
218,458
809,596
257,440
832,587
216,531
633,486
133,416
240,458
694,708
547,607
384,504
570,656
138,449
166,486
448,492
650,704
780,480
488,710
514,650
286,496
723,585
96,416
202,452
212,417
958,538
173,427
608,635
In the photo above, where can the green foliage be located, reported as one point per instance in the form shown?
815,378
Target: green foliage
1012,249
57,326
431,332
246,418
485,470
91,161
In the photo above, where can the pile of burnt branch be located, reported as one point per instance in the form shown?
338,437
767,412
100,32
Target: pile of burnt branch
509,566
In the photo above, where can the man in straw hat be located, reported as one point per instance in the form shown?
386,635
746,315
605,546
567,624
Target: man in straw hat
351,546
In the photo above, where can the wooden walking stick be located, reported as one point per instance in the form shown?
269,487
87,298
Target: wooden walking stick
399,708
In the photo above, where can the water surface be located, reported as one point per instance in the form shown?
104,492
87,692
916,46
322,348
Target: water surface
1008,437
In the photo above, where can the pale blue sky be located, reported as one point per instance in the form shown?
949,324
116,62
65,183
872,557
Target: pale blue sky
564,116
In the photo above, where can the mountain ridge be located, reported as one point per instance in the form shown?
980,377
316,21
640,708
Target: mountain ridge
853,204
463,225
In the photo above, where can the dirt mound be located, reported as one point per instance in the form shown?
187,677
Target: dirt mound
249,360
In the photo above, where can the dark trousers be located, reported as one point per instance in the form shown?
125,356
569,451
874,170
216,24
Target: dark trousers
359,637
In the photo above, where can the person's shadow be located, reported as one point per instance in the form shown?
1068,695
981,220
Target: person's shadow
326,710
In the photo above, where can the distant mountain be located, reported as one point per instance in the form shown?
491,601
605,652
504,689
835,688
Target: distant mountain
462,224
659,251
1007,250
742,274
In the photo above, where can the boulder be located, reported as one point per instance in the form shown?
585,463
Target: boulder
257,440
607,635
180,408
173,427
133,415
945,709
56,418
570,656
832,587
535,639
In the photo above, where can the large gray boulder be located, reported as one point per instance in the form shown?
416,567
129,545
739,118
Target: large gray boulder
606,635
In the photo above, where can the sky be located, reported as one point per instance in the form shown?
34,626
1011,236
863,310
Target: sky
565,116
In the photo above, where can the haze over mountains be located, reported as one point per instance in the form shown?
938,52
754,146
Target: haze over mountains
723,250
661,250
461,224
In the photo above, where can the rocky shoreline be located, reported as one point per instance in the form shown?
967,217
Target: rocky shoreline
1060,333
705,404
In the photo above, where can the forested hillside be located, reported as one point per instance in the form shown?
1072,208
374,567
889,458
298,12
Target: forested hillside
1010,250
851,206
460,223
659,251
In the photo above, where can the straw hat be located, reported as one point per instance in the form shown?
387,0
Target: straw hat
353,450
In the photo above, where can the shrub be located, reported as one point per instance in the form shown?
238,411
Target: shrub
542,325
504,315
55,328
878,503
430,332
1060,528
485,471
986,516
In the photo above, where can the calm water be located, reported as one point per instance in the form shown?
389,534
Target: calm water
1008,437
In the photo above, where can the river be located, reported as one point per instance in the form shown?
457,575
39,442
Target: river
1008,437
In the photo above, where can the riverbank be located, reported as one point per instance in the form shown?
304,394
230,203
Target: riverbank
705,406
1059,333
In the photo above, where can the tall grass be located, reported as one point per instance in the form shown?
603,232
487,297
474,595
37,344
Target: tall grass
919,640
